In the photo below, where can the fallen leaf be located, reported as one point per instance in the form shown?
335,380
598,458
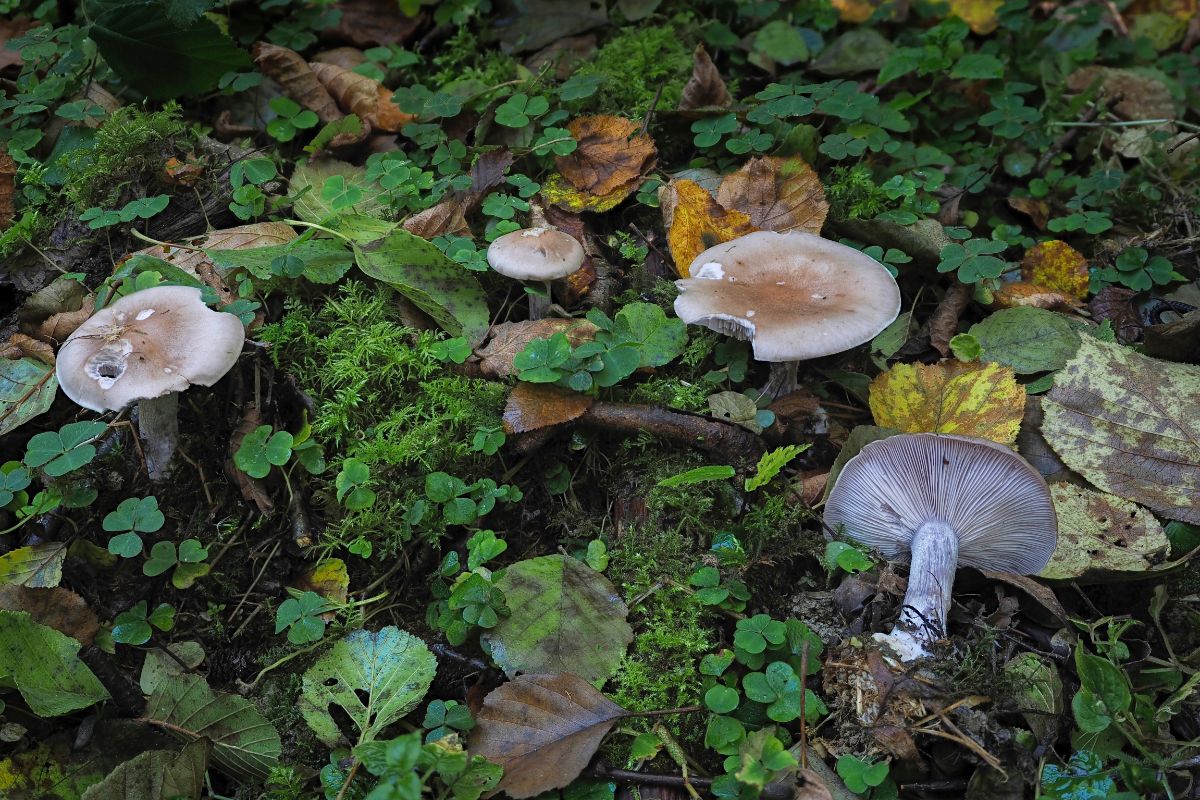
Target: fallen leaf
12,27
510,338
1038,211
1057,266
365,23
1027,339
38,566
366,97
1020,294
695,222
1038,591
612,155
345,57
543,729
566,617
532,406
328,578
1174,341
557,191
156,774
778,194
8,178
856,11
57,608
981,16
19,346
856,51
161,665
289,69
1037,691
972,399
1102,537
182,173
1139,95
706,88
242,237
447,217
1131,425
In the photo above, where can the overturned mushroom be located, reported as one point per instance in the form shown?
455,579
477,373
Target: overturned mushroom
794,295
540,255
946,500
145,348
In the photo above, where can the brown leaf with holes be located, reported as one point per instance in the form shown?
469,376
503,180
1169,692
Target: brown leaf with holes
543,729
20,346
612,155
533,406
510,338
706,88
1021,293
289,69
778,194
358,94
8,188
695,222
57,608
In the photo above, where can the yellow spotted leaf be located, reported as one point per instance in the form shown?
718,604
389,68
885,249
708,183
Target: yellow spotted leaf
980,15
1057,266
328,578
856,11
696,222
969,399
557,191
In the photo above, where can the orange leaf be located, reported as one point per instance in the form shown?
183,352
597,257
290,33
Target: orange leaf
972,399
612,155
1012,295
1057,266
779,194
537,405
695,222
358,94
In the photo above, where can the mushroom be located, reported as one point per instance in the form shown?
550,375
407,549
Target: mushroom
794,295
146,347
541,255
947,500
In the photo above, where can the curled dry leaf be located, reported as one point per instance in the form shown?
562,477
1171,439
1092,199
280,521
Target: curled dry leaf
1032,295
543,729
706,88
778,194
366,97
298,81
1115,304
1038,211
1058,267
56,607
973,399
366,23
943,323
19,346
532,406
510,338
612,155
695,222
345,57
8,177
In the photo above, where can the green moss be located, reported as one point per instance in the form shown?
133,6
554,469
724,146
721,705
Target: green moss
636,62
464,64
854,194
130,146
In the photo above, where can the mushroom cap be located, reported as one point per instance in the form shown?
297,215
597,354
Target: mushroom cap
145,345
794,295
535,254
997,503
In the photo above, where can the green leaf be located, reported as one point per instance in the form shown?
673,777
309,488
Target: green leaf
699,475
441,288
66,450
159,57
308,180
125,545
156,775
324,260
38,566
659,338
566,617
260,449
244,744
1026,339
45,667
978,66
771,463
27,388
1104,680
721,699
162,558
135,514
375,678
782,43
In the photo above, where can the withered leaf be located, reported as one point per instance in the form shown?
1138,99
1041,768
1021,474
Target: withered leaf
242,237
532,406
612,155
8,177
1139,95
510,338
374,22
696,222
706,88
543,729
56,607
19,346
1038,211
448,216
778,194
943,323
1115,304
298,81
1131,425
358,94
1021,293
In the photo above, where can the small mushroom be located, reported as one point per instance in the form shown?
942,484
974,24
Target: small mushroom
147,347
540,255
793,295
946,500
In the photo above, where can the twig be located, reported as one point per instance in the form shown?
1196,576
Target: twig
254,583
732,442
775,791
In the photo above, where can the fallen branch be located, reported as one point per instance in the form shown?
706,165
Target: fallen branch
733,443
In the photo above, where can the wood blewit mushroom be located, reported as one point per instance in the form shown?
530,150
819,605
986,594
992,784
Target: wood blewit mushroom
146,347
947,501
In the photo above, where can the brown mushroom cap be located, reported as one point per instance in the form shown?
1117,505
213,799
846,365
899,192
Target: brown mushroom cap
535,254
794,295
994,500
146,345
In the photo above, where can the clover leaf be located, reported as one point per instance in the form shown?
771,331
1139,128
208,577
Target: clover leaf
65,450
261,448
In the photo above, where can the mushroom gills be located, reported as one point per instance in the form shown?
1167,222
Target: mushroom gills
926,607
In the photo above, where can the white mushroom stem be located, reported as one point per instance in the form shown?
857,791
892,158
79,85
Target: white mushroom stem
783,379
539,305
158,424
934,550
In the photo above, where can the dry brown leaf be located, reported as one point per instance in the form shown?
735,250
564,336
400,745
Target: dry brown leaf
57,608
11,28
543,729
1038,211
706,88
1141,96
510,338
1020,293
358,94
8,188
289,69
532,406
695,222
1115,303
778,194
344,57
449,216
1038,591
19,346
242,237
1057,266
612,155
943,322
444,218
366,23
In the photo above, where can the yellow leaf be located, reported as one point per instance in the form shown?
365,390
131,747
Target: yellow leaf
557,191
972,399
856,10
696,222
1057,266
328,578
980,15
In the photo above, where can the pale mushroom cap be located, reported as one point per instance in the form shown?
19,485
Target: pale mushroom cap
794,295
996,502
145,345
535,254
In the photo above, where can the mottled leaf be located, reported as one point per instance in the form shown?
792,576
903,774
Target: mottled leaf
612,155
1037,690
156,775
37,566
510,338
308,180
1101,536
45,667
1058,267
27,388
159,665
58,608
